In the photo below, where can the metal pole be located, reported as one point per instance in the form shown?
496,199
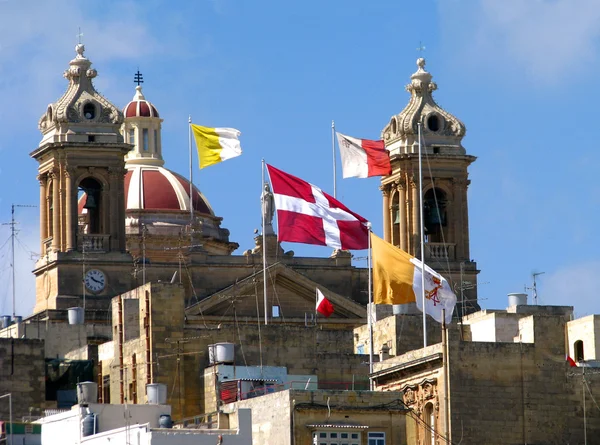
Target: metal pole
370,312
191,179
422,240
264,244
446,377
12,227
584,413
334,164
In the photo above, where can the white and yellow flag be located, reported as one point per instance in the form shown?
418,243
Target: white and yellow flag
397,280
216,144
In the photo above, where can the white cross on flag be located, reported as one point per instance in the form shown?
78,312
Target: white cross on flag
305,214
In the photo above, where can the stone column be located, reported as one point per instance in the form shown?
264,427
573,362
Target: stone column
386,212
414,229
403,235
69,209
55,211
43,212
115,213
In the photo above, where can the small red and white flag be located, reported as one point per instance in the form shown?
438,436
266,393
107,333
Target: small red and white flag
362,158
571,362
305,214
324,306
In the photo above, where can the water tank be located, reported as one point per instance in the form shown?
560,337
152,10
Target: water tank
5,320
221,353
90,424
18,319
156,393
517,299
76,315
405,309
165,421
87,392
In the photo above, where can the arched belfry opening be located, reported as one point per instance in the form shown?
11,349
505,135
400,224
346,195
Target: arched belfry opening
435,215
90,194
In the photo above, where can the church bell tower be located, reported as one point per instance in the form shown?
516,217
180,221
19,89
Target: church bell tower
445,181
82,211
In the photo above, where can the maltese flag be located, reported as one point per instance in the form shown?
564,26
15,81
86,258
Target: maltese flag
324,306
362,158
305,214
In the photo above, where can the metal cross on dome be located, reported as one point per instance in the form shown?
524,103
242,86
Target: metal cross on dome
138,78
421,47
79,35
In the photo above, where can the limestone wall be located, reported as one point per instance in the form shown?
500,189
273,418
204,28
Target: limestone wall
22,373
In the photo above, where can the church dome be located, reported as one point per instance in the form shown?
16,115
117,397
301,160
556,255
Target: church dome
155,188
139,106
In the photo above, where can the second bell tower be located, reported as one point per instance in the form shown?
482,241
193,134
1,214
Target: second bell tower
445,181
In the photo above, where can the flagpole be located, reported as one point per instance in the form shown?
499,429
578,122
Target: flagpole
446,372
422,240
369,312
334,164
191,177
264,243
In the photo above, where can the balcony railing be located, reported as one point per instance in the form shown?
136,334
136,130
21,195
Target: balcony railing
440,251
93,243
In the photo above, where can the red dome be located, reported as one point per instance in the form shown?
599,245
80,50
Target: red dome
158,189
139,106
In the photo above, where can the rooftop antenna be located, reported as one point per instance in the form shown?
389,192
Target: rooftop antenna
13,232
534,287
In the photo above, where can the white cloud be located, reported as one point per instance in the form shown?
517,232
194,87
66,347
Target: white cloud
544,40
574,285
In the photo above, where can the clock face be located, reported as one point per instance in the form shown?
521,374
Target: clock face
95,280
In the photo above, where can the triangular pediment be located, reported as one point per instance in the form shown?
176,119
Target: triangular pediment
292,292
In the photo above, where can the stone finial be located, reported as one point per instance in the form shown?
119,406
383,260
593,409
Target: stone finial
79,49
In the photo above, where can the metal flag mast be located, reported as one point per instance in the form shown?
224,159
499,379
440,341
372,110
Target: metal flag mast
191,179
264,241
422,240
334,161
370,311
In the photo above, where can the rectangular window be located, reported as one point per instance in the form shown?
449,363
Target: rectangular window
145,136
132,136
332,438
276,312
376,438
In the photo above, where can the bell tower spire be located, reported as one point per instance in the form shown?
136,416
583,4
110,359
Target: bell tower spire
445,182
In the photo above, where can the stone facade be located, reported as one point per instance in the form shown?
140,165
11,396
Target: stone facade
508,382
291,417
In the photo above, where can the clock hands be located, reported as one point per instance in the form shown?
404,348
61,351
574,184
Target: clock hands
97,281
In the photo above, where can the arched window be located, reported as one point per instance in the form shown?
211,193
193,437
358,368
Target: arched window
433,122
434,214
90,192
429,418
89,111
578,346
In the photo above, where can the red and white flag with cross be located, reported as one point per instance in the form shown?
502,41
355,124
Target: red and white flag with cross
305,214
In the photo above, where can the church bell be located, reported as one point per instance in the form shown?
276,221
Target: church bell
90,202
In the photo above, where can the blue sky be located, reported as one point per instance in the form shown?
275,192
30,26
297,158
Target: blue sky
518,73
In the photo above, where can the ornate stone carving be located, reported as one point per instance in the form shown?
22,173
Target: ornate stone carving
419,109
66,109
